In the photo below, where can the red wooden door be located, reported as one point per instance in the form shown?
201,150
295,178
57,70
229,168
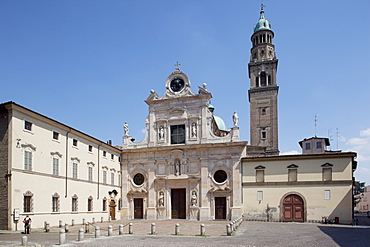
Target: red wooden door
293,209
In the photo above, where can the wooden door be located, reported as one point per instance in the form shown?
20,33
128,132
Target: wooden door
138,208
178,203
220,208
293,209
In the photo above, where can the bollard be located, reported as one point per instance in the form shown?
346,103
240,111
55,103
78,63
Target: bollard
66,227
60,223
109,219
97,232
130,230
202,230
83,221
73,222
177,229
93,220
87,227
24,240
47,227
228,230
62,236
120,229
110,230
101,219
152,229
81,234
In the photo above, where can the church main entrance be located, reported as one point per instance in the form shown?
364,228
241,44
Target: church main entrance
220,208
293,209
178,203
138,208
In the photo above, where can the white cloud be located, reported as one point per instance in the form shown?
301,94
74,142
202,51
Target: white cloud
360,145
290,152
365,133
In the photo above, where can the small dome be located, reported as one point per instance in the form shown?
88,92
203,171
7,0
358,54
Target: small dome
220,123
262,23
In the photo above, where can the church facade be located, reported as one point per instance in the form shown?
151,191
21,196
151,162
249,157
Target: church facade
190,165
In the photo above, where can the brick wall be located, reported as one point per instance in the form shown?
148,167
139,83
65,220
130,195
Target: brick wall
4,214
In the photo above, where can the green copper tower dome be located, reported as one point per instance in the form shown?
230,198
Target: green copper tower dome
262,23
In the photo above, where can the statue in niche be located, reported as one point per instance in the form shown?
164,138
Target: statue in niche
177,167
161,199
235,119
161,133
125,129
194,199
194,130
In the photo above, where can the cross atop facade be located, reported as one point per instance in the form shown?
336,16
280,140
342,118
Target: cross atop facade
262,6
177,64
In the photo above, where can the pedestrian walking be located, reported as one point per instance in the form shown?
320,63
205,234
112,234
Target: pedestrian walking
27,224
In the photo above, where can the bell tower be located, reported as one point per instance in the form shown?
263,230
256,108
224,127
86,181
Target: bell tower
263,90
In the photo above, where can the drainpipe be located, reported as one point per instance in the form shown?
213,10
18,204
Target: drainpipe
98,170
66,192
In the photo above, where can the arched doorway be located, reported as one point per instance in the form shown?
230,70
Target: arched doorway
293,208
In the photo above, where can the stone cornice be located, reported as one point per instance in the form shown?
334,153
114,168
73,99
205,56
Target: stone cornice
299,183
300,157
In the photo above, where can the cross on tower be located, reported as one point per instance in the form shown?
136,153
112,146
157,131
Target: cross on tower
177,64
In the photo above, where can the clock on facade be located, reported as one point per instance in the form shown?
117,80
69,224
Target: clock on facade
177,84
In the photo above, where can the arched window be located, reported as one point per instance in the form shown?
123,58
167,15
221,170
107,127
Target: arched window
74,203
263,79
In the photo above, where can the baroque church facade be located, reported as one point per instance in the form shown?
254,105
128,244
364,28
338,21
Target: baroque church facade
189,165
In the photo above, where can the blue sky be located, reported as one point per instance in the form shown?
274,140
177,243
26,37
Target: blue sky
91,64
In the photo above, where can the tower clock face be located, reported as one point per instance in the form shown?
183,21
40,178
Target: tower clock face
177,84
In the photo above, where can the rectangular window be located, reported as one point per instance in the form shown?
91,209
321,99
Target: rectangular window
75,142
178,134
74,204
27,204
112,156
28,160
104,177
89,205
55,166
104,204
55,202
259,195
326,174
292,175
90,148
27,125
55,135
104,153
308,146
327,194
318,145
90,175
112,178
263,134
74,172
260,176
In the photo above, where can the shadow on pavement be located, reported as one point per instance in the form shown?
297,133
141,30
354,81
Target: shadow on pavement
347,236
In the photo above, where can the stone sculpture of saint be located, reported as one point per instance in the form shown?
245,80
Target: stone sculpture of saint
194,130
125,129
161,133
177,167
194,199
235,119
161,199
